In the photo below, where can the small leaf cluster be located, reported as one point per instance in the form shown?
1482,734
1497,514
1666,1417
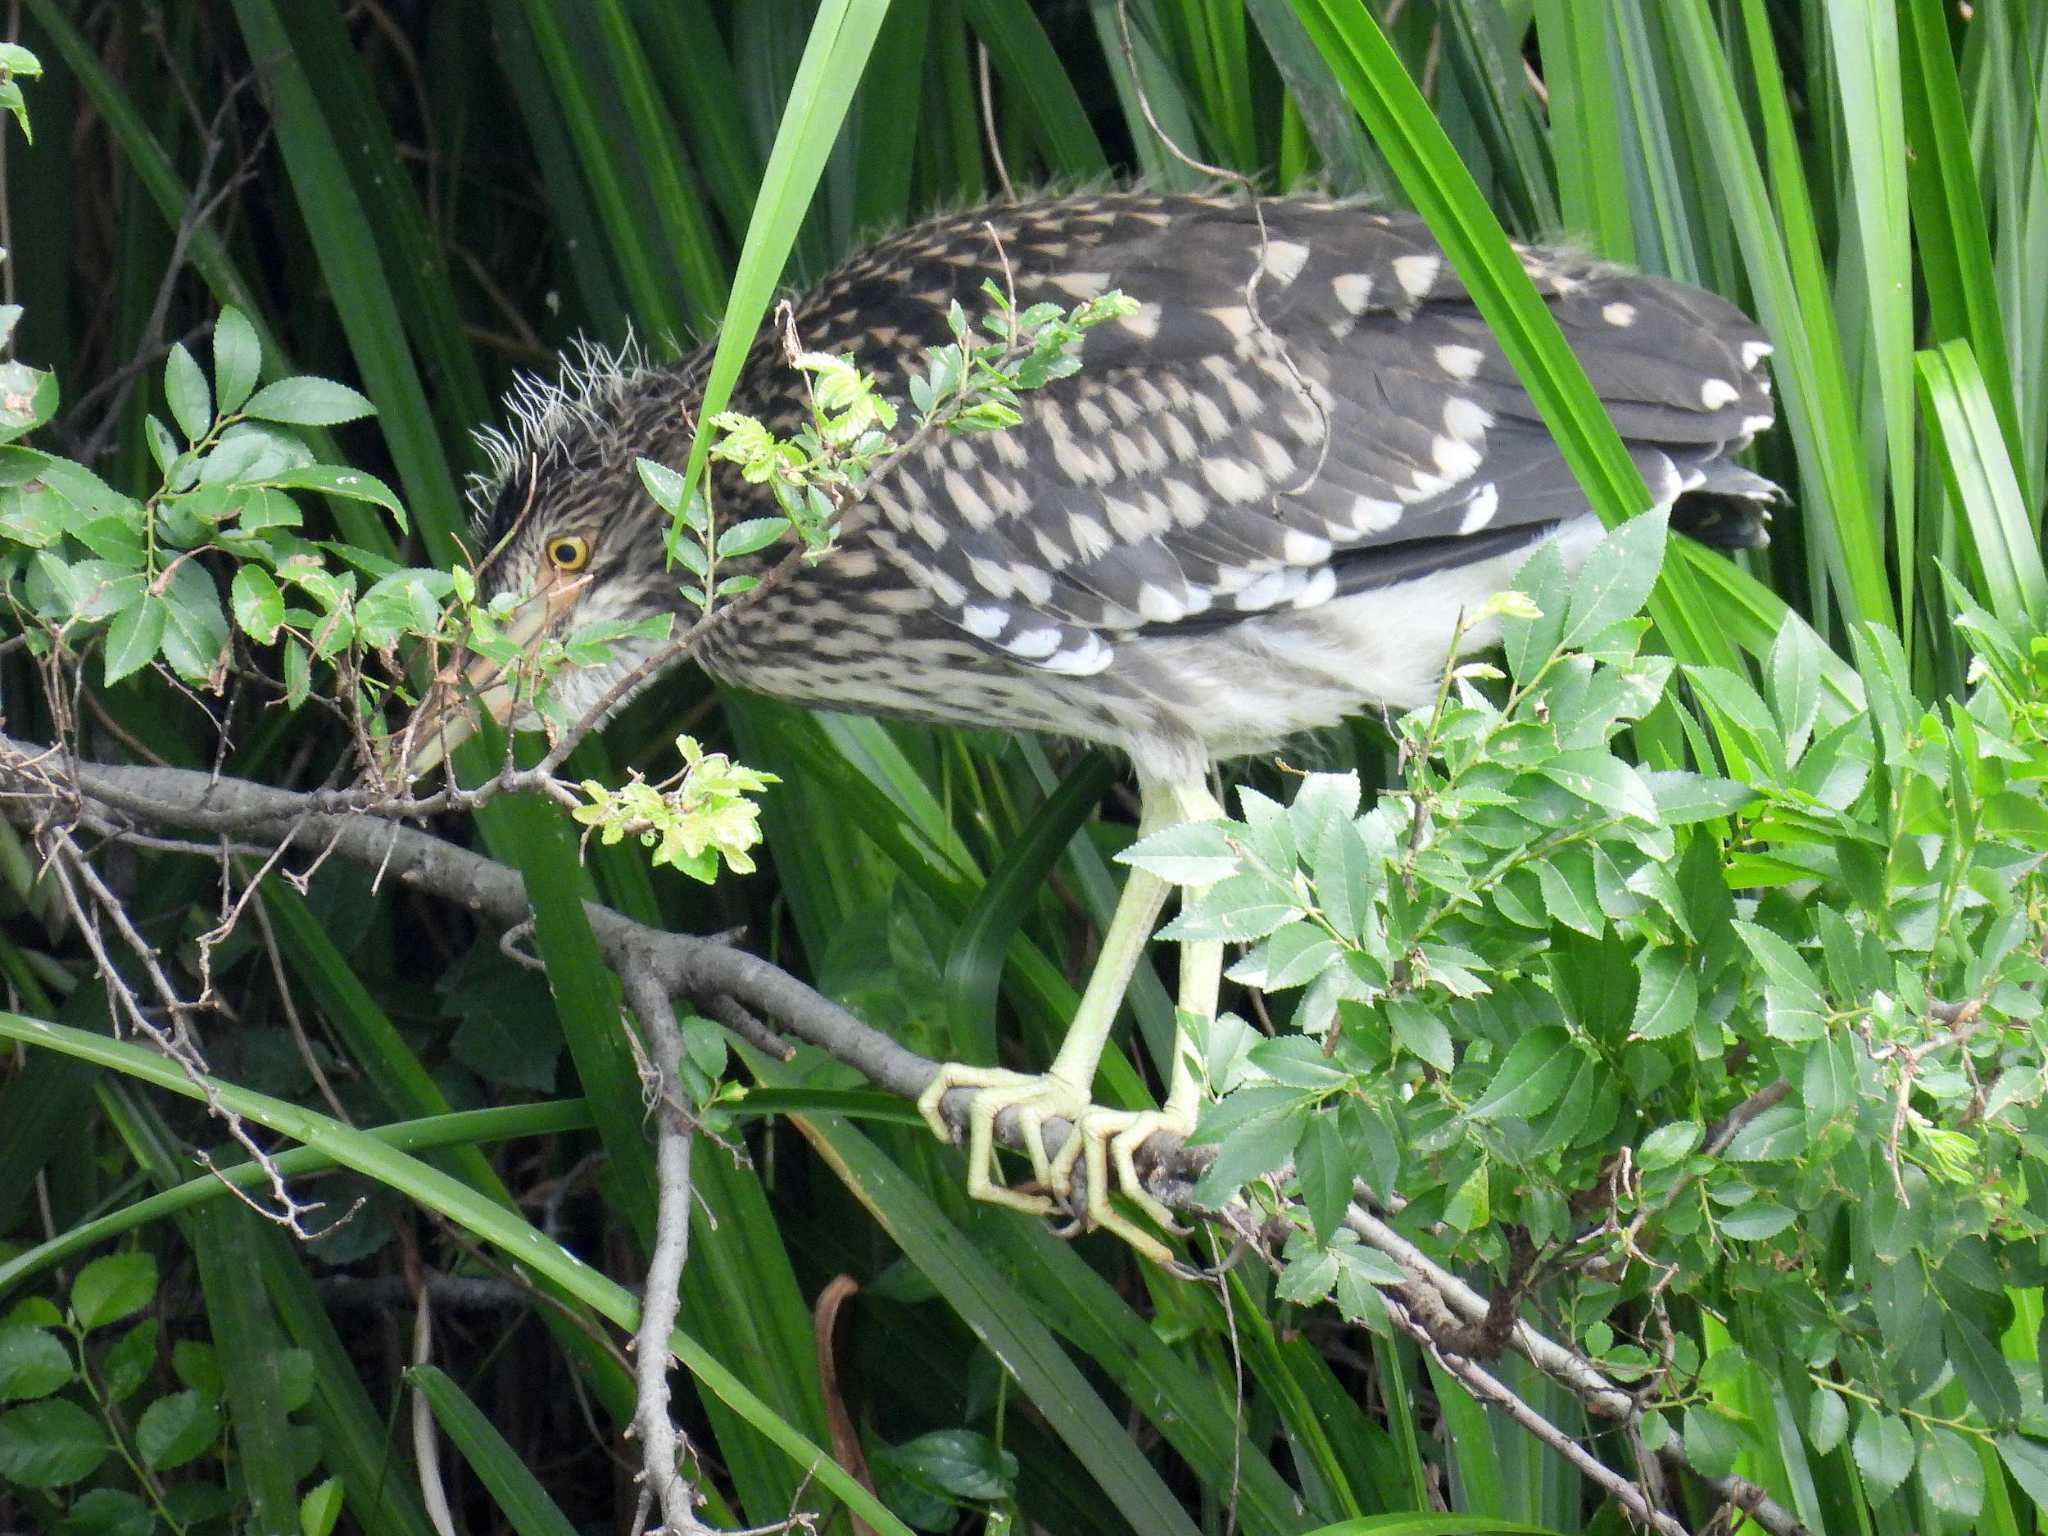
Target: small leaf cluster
968,385
1745,1059
84,1418
17,64
692,820
84,564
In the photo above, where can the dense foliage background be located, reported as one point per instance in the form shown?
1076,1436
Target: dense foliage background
1756,1132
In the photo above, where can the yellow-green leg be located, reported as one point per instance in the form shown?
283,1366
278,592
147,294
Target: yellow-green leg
1064,1092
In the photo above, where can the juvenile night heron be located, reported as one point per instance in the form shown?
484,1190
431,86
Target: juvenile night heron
1258,507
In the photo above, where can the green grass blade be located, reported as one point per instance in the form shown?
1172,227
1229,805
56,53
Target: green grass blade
1970,448
1865,44
251,1347
369,311
519,1240
1793,299
464,1128
516,1491
1022,56
1585,124
1948,209
841,39
1003,1321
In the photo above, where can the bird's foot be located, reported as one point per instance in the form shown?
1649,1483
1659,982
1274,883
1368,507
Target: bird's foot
1110,1139
997,1091
1107,1138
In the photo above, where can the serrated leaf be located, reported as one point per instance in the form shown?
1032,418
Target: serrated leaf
1323,1165
33,1363
1883,1448
320,1510
1419,1030
1530,1078
50,1444
1669,1145
1683,798
1615,579
2027,1460
237,359
1827,1420
134,637
1667,994
308,402
258,605
1191,853
1951,1472
195,627
1773,1136
341,480
1755,1221
1247,906
750,536
1712,1441
185,392
1602,779
176,1429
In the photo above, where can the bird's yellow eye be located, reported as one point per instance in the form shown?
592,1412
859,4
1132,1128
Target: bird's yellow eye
569,552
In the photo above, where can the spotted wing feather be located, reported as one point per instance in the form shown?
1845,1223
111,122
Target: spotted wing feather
1349,423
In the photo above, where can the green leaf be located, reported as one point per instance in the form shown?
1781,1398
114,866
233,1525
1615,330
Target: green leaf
1688,797
1667,994
1602,779
237,359
2027,1460
320,1509
1712,1441
1757,1220
33,1363
195,629
1981,1367
133,637
113,1287
308,402
1324,1166
1827,1084
1669,1145
177,1428
258,605
1616,577
1530,1078
109,1512
1794,1006
1883,1448
50,1444
1951,1472
750,536
1827,1420
186,393
1191,853
1470,1206
1421,1031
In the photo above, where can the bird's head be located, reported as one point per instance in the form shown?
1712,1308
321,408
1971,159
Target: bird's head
571,541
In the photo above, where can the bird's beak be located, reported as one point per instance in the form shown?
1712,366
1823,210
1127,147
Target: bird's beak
471,686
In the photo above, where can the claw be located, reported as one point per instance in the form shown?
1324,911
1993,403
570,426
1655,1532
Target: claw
1108,1138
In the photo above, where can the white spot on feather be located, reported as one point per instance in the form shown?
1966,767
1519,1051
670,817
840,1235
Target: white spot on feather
1459,361
1715,393
1618,314
1417,274
1754,352
1466,420
983,621
1479,511
1353,290
1285,259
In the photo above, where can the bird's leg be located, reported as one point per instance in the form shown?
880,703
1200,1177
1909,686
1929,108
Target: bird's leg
1063,1091
1109,1137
